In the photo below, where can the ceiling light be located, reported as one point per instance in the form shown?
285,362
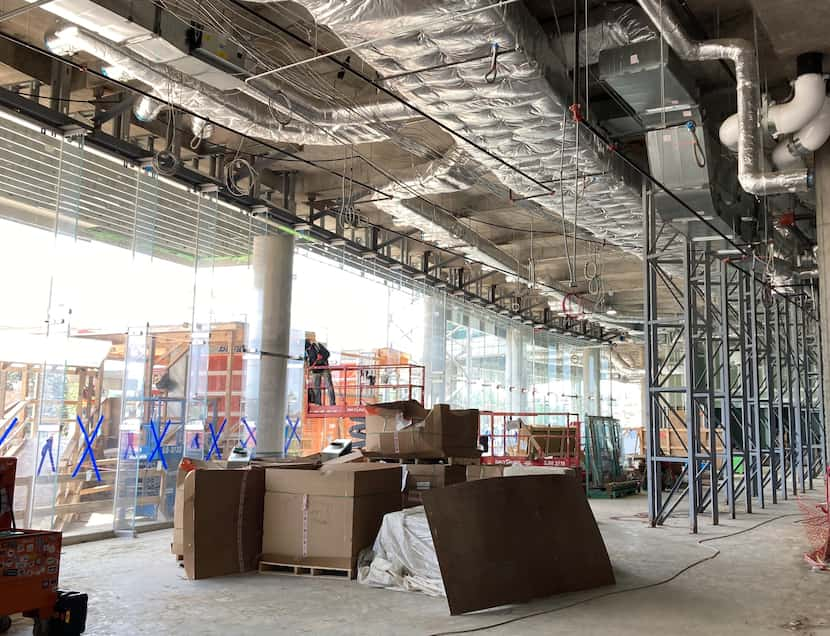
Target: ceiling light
611,311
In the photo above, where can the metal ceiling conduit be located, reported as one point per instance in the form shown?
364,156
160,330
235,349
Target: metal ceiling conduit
510,112
751,175
241,112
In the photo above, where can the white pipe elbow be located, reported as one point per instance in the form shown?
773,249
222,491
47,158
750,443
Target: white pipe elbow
808,98
785,157
814,135
790,152
729,131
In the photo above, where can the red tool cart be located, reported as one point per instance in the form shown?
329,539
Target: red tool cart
29,565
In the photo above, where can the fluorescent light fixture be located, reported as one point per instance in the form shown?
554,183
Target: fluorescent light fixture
611,311
337,242
302,227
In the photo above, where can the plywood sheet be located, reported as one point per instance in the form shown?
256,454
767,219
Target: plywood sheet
510,540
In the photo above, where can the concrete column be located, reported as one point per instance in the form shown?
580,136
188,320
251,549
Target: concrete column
435,348
516,376
590,381
823,234
269,335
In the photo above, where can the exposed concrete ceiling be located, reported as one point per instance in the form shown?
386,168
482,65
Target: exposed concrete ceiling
493,215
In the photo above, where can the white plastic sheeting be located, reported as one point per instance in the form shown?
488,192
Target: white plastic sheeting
403,556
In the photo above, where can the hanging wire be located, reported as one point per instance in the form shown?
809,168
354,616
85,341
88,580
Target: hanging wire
235,171
492,73
165,162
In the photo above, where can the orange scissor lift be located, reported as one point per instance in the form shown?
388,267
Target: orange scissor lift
536,439
355,386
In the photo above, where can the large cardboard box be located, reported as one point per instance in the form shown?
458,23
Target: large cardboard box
406,429
324,518
222,521
483,471
185,466
421,477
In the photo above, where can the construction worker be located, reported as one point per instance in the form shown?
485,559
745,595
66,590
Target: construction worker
317,359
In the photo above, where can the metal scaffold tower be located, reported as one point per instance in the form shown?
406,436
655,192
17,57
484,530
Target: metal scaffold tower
734,409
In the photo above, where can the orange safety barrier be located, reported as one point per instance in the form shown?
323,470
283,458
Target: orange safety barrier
541,439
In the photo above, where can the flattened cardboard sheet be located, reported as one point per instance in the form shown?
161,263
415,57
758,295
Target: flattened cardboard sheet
510,540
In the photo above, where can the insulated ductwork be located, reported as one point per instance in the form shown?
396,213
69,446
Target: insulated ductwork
454,172
752,177
148,109
520,115
790,152
252,113
624,364
781,119
612,26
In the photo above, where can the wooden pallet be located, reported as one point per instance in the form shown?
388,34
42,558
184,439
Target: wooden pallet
304,570
449,461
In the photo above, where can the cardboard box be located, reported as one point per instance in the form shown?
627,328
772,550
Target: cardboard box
421,477
177,547
485,471
222,521
406,429
324,518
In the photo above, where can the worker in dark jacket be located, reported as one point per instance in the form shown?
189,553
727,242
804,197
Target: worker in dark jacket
317,359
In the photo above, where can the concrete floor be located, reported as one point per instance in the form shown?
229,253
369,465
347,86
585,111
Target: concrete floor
759,584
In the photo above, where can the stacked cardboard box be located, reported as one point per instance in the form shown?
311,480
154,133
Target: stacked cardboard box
218,520
324,518
407,430
423,477
482,471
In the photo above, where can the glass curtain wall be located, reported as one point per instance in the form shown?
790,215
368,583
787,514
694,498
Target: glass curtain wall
122,336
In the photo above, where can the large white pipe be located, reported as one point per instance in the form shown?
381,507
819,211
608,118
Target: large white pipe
782,119
790,152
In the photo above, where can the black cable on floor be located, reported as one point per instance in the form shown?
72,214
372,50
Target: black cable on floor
637,588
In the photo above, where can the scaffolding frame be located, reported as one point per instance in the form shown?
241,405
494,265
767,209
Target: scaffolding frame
734,409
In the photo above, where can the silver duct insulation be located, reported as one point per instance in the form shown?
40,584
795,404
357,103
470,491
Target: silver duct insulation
521,117
625,365
148,109
613,26
454,172
751,175
253,113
